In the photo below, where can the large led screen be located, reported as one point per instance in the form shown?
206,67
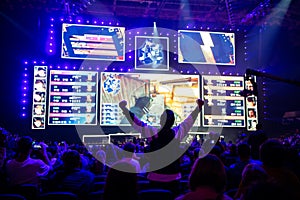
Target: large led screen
204,47
93,42
148,95
224,106
73,97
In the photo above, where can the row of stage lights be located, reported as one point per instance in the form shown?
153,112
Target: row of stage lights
116,69
116,23
51,37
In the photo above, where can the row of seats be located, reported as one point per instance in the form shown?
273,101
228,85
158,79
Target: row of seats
32,192
142,185
148,194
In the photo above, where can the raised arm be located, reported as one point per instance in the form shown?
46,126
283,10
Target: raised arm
184,127
138,125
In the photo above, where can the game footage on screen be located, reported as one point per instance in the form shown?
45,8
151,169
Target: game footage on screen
148,95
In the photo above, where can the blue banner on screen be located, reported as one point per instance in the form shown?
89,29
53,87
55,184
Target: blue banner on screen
73,98
204,47
93,42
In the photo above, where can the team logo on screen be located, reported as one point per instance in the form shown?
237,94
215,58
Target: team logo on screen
111,84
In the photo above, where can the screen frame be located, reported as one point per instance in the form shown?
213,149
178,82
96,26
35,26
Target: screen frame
208,63
87,57
96,103
203,112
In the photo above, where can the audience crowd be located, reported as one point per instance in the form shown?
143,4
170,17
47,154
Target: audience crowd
231,170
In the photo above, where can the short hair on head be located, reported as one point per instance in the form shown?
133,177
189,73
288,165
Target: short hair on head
121,182
268,190
253,173
24,144
130,147
272,153
208,171
71,159
167,119
244,149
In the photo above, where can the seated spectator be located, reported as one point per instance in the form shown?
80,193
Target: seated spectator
229,157
255,139
24,169
72,178
99,165
236,169
207,180
128,153
120,183
252,174
272,154
54,158
267,190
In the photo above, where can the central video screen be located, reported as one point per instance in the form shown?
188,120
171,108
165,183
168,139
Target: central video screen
148,95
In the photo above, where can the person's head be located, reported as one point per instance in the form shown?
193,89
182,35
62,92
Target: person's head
41,72
88,108
88,119
216,150
167,119
89,98
37,122
38,97
71,159
251,101
253,173
38,109
244,150
197,152
53,150
24,145
208,171
268,190
129,149
120,184
251,113
39,85
272,153
142,102
89,88
90,76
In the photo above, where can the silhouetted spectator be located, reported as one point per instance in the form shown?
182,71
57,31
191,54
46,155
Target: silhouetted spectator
120,183
165,140
255,139
236,169
268,190
128,153
72,178
272,154
25,170
252,174
207,180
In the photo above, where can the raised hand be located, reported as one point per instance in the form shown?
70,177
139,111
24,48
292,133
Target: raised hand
200,102
123,104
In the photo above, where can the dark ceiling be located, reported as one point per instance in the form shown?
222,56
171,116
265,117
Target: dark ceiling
231,13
